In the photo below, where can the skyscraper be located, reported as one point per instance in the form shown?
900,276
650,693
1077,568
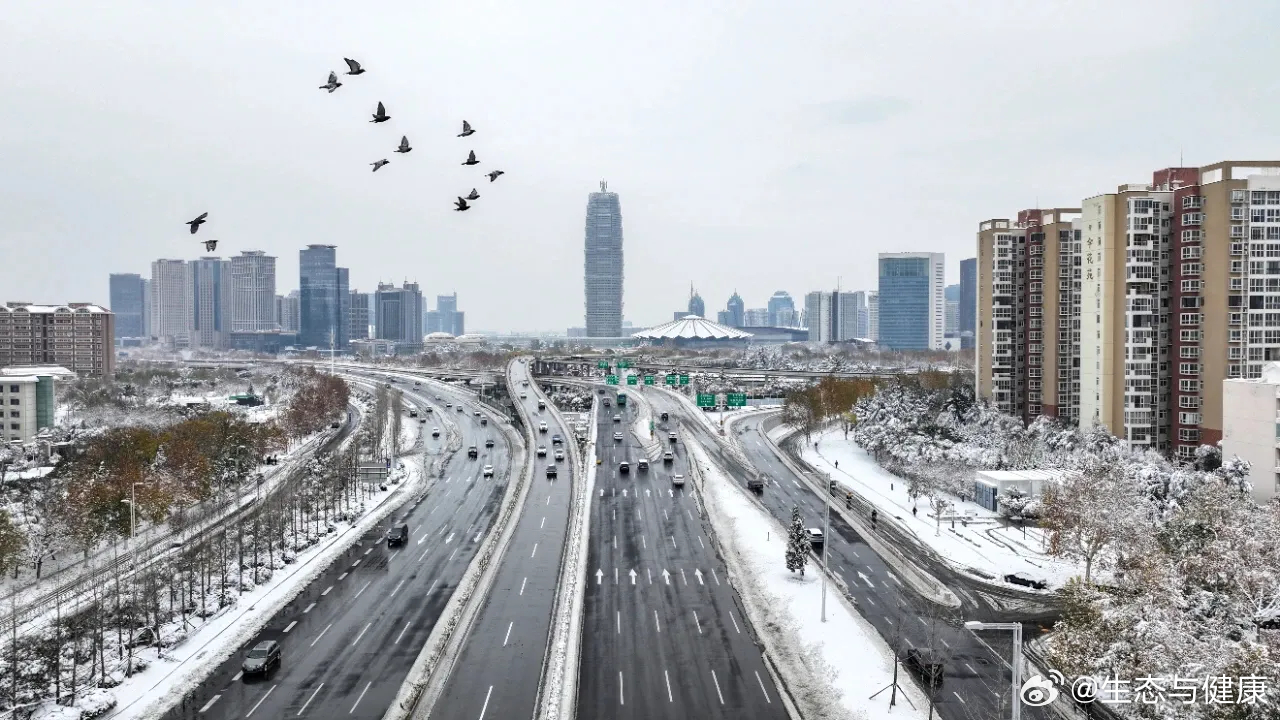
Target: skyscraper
359,325
696,306
603,264
209,286
128,303
850,316
253,292
781,300
324,301
449,319
399,313
756,317
873,316
287,312
170,303
911,301
736,309
968,301
817,313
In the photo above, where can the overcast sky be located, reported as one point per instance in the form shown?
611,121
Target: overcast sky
755,144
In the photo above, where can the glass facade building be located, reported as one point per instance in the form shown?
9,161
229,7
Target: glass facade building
911,301
602,278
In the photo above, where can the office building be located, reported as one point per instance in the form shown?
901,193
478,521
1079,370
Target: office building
359,325
951,312
756,317
1249,408
696,306
399,313
968,301
447,318
850,316
781,302
209,286
170,303
253,292
287,312
911,301
76,336
736,310
873,316
128,303
603,264
323,298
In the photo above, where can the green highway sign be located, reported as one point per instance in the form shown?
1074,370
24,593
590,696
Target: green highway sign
602,364
624,363
648,379
611,379
684,379
706,400
631,379
671,379
735,399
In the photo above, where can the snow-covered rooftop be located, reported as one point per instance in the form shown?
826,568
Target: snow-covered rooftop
34,370
692,327
71,308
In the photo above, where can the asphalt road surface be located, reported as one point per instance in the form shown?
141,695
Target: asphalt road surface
976,683
349,639
663,633
497,673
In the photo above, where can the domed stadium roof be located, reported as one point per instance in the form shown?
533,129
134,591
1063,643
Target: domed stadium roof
691,327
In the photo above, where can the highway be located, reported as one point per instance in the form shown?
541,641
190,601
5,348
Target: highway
663,633
975,680
498,671
349,639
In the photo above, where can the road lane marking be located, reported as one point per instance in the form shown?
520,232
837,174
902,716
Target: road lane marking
958,697
486,702
362,692
714,576
366,587
944,642
886,619
622,700
393,592
673,540
508,637
393,556
357,562
615,542
704,547
433,587
522,582
548,499
618,620
922,621
455,552
402,632
309,607
209,704
362,632
696,622
290,627
322,632
424,555
668,678
642,542
656,621
238,676
543,524
366,552
735,623
682,576
717,682
648,572
975,672
308,702
343,576
326,591
535,550
766,692
255,705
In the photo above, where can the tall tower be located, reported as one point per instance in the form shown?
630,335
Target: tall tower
253,291
603,264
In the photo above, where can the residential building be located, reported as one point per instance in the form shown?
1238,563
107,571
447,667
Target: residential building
873,316
817,313
359,325
1250,408
324,299
696,306
288,312
736,310
968,302
755,317
432,324
76,336
951,319
786,318
911,301
253,292
27,403
850,321
128,304
781,302
399,313
603,271
209,286
170,303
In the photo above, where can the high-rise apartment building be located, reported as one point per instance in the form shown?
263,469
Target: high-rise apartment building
603,264
817,313
128,304
835,316
77,336
287,312
911,301
399,313
253,292
359,314
324,299
968,301
209,285
951,311
170,303
873,316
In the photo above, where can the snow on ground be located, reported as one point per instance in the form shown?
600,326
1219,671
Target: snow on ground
185,665
970,536
785,608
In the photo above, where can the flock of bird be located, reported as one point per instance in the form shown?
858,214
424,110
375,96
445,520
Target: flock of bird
354,68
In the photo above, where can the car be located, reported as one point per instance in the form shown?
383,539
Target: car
755,484
559,454
677,480
816,539
435,432
642,465
925,663
422,420
617,417
488,471
461,409
542,427
476,413
398,535
335,425
1026,581
429,410
556,439
551,471
617,436
542,405
600,390
448,405
524,382
524,396
671,437
542,451
261,658
417,384
473,452
488,442
413,413
624,467
665,417
668,456
606,402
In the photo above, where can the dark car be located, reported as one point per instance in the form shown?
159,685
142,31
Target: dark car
665,417
473,452
488,443
925,663
624,467
261,658
335,425
556,440
551,471
1023,580
398,535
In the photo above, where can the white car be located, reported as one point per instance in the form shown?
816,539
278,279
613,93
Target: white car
617,418
488,471
677,480
542,451
542,427
617,436
559,454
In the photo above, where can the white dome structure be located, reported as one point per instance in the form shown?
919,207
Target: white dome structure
439,337
692,329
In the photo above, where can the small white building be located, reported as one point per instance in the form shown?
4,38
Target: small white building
1251,428
27,400
989,485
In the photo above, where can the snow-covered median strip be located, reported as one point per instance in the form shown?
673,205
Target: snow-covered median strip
826,680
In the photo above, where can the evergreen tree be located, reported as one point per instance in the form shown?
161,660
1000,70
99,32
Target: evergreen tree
797,543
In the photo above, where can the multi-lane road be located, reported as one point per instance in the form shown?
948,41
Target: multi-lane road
663,633
351,636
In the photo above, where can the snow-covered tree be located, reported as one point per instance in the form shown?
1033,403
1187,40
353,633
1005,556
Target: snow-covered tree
797,543
1089,511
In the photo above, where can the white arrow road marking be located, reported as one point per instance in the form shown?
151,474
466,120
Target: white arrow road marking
698,574
599,577
601,492
866,580
646,492
423,538
633,576
624,493
671,493
666,576
449,539
477,538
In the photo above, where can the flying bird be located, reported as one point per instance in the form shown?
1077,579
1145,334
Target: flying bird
474,195
354,66
195,224
494,175
333,83
461,205
471,159
404,145
210,245
466,130
381,115
379,164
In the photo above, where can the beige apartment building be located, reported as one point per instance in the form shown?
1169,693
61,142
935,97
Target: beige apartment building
1174,287
76,336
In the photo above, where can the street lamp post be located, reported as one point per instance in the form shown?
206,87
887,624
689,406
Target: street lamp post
826,530
1016,668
